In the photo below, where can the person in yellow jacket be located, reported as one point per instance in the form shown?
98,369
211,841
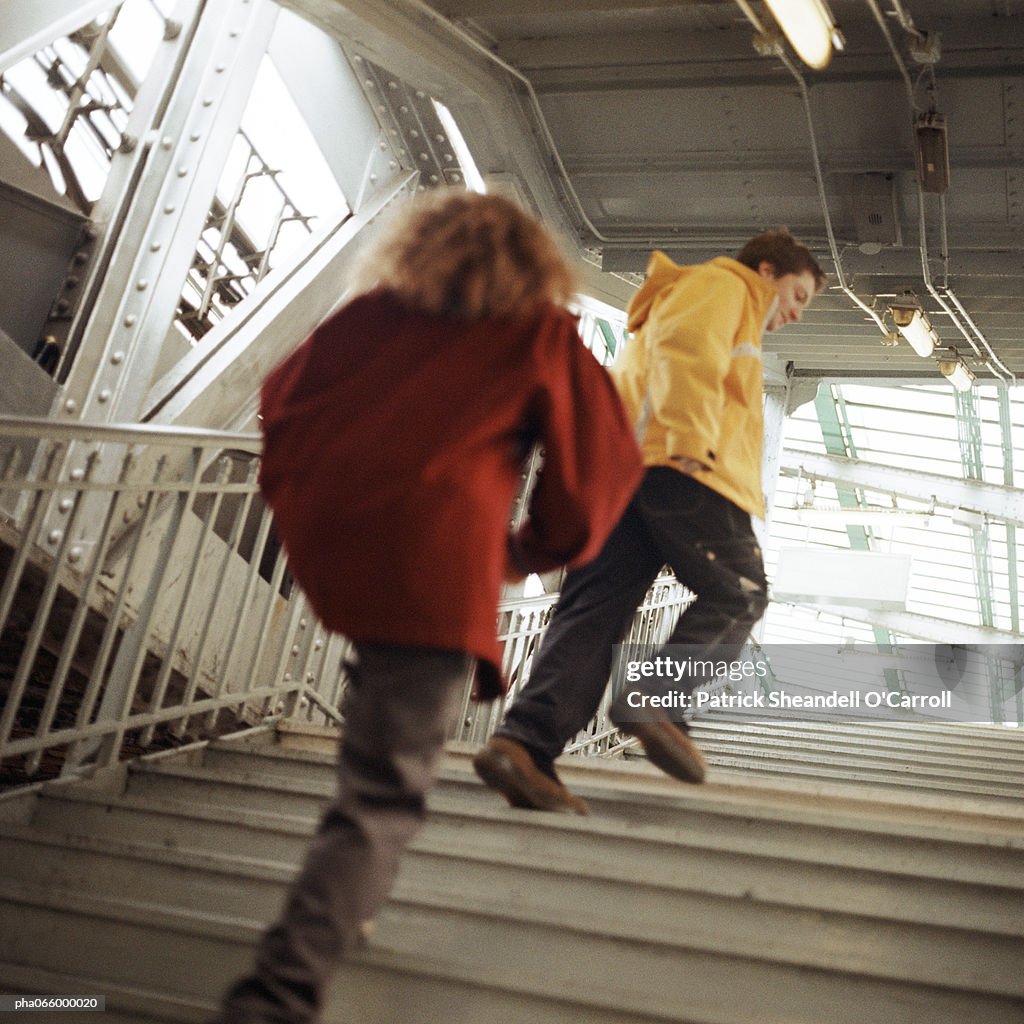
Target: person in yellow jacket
691,381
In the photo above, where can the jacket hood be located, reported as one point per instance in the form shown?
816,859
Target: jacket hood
663,272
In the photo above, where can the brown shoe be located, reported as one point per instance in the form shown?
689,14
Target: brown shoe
506,766
669,748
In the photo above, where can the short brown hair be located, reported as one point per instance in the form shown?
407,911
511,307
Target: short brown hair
468,256
788,256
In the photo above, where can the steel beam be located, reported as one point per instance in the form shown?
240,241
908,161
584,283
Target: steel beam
521,8
216,383
26,26
430,53
925,627
166,212
1007,265
994,500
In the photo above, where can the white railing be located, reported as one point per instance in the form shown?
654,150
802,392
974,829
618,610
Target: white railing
144,602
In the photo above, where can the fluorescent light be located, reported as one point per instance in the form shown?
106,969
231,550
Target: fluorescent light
957,373
914,326
866,515
810,29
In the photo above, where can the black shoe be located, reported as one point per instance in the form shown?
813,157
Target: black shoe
506,766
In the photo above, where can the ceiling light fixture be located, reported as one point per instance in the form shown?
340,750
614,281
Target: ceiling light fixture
956,371
911,322
863,515
810,29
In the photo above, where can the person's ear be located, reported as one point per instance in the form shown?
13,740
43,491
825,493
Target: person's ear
767,269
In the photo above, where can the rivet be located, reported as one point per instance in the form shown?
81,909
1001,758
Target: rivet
65,505
104,395
368,83
55,536
129,320
392,164
169,208
195,137
434,179
220,68
141,285
424,156
420,94
310,677
403,109
456,177
318,645
182,172
439,136
207,101
117,358
77,474
287,677
414,134
448,158
373,179
302,623
71,281
392,85
71,405
155,247
75,554
295,649
166,142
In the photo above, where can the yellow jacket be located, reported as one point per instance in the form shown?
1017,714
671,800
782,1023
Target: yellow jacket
691,378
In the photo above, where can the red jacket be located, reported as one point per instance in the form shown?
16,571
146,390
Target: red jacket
394,444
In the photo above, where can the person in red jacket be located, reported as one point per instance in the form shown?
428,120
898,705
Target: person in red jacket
394,442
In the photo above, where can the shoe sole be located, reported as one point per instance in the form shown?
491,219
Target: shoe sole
499,772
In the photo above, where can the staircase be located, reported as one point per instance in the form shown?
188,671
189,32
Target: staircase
823,875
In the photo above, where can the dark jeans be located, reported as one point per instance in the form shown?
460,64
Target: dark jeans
398,708
705,539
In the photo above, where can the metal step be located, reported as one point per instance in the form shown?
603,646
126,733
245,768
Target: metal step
967,740
602,923
738,900
221,881
695,819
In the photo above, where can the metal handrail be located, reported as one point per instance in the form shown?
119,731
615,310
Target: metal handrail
148,605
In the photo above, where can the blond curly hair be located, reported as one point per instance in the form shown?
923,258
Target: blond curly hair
468,256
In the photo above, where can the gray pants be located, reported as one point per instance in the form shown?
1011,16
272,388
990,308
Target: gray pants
398,708
710,545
